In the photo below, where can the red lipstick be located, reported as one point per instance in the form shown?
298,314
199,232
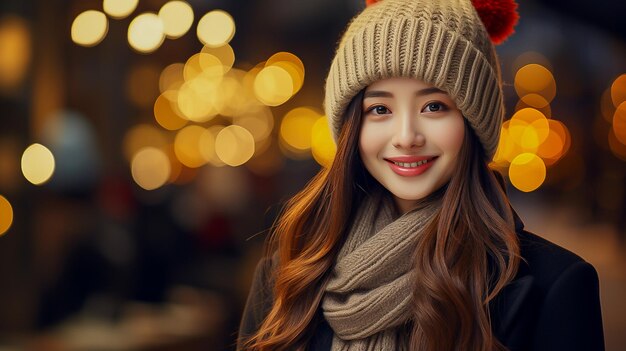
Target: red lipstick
410,166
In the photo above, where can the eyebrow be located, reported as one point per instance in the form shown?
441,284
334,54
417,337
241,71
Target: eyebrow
379,93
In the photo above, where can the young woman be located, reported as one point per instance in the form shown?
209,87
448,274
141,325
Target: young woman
408,241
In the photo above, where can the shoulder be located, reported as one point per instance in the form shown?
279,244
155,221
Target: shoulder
546,261
553,302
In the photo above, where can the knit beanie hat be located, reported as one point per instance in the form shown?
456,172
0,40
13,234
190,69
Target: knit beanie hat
441,42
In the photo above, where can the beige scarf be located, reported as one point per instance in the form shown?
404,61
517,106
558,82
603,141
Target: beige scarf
368,295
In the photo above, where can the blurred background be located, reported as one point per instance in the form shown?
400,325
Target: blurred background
146,146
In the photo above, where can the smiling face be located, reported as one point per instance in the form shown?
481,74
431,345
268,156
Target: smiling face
410,138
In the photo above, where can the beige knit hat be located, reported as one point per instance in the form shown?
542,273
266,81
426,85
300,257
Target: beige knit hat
441,42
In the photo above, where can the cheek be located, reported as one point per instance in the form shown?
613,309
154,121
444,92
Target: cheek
369,142
452,140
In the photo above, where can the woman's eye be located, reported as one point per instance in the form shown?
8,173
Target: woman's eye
380,110
435,107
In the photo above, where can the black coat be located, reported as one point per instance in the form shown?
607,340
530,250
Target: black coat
553,303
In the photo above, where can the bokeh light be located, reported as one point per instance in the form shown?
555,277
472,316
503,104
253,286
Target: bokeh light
618,90
529,128
617,148
171,77
530,57
165,115
619,123
606,106
119,9
187,146
89,28
145,33
150,168
141,136
216,28
323,146
273,86
297,126
527,172
177,17
193,101
259,121
202,64
534,78
234,145
556,144
37,164
15,50
292,65
6,215
225,54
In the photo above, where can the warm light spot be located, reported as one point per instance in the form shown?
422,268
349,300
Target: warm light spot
508,149
273,86
193,101
290,63
89,28
6,215
617,148
530,57
323,146
296,127
606,106
561,129
527,172
618,90
228,99
206,144
15,50
166,116
225,54
187,146
171,77
140,136
529,128
150,168
203,64
234,145
551,149
175,165
177,17
258,121
546,110
619,123
119,9
535,100
212,157
534,78
37,164
145,32
142,84
216,28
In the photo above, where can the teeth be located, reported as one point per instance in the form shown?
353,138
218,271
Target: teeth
410,165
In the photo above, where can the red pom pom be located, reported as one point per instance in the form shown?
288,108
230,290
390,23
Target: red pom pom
498,16
371,2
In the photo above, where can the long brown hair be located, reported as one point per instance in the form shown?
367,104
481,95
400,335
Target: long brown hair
465,257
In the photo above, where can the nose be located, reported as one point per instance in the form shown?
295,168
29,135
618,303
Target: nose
407,134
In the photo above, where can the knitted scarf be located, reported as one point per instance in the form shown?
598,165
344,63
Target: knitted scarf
368,295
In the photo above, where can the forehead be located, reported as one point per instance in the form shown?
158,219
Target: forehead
398,83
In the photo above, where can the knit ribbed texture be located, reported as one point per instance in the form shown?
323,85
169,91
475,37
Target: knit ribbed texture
368,296
441,42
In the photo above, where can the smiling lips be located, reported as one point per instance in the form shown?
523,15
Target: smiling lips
410,166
